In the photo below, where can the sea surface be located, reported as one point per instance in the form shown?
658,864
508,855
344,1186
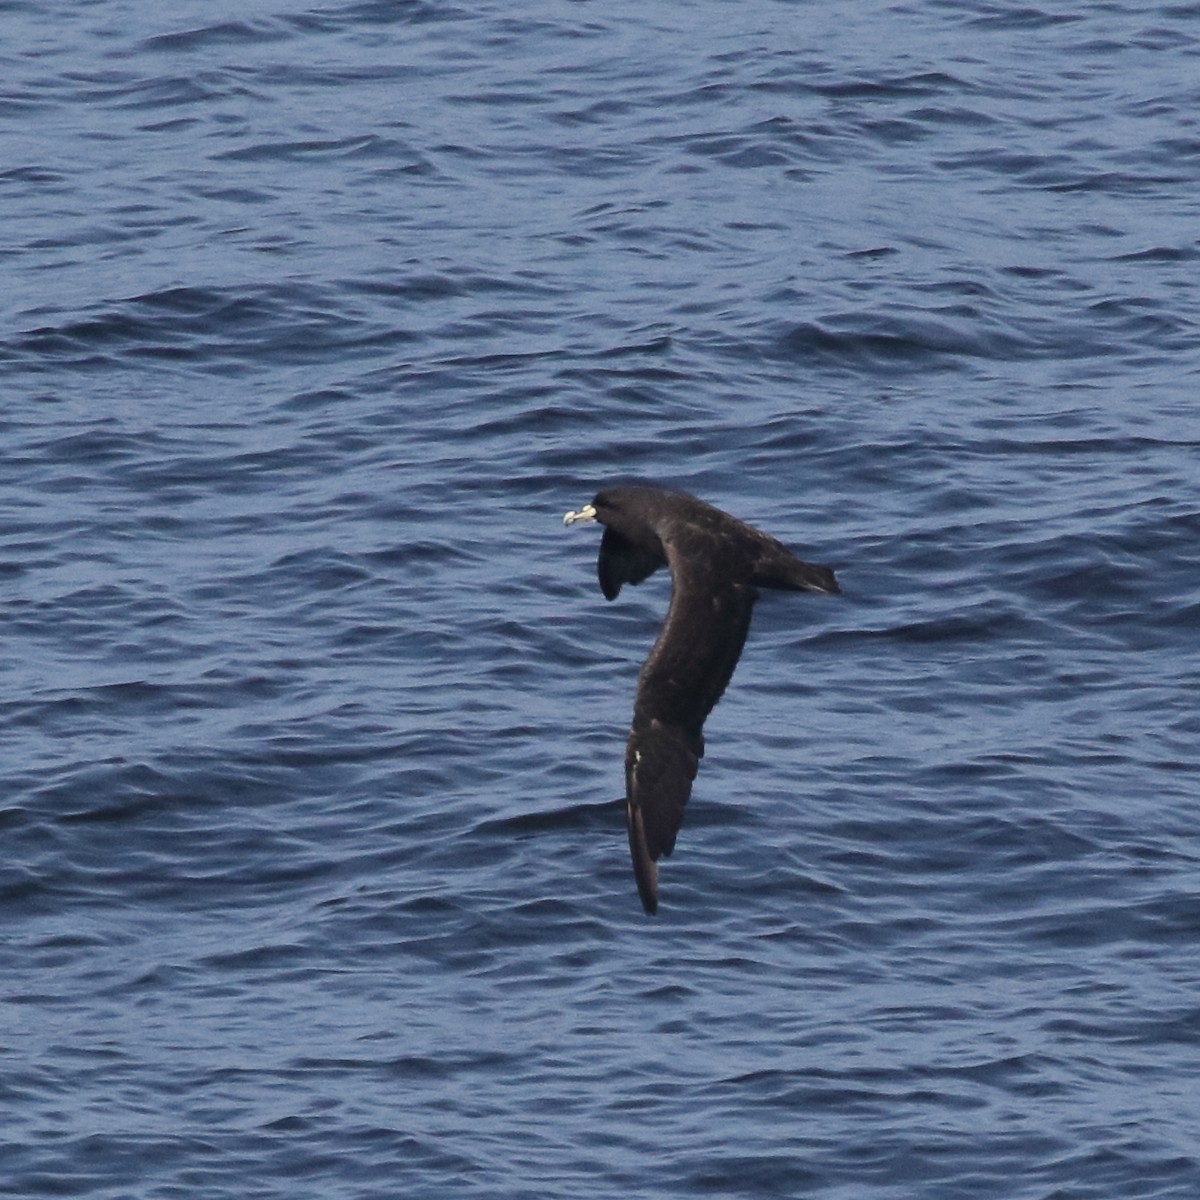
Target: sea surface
316,318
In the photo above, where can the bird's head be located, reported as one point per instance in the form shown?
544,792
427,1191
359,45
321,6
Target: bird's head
605,508
627,507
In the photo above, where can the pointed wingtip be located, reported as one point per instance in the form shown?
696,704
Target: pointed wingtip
645,869
649,893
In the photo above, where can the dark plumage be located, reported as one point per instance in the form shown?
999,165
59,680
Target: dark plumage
717,565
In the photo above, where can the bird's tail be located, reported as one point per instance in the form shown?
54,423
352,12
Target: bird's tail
645,869
809,577
785,570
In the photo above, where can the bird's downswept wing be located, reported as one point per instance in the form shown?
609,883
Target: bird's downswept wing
683,678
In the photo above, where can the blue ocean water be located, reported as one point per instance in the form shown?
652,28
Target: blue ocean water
314,878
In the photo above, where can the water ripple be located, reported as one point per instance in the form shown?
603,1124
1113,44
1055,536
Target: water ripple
315,875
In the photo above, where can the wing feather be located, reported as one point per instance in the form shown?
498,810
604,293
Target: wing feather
687,671
621,562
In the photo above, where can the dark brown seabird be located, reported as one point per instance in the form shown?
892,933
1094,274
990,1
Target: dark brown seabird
717,565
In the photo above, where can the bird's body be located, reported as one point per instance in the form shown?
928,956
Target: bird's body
717,565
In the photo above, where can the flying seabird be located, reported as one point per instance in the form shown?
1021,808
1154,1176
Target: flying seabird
717,565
